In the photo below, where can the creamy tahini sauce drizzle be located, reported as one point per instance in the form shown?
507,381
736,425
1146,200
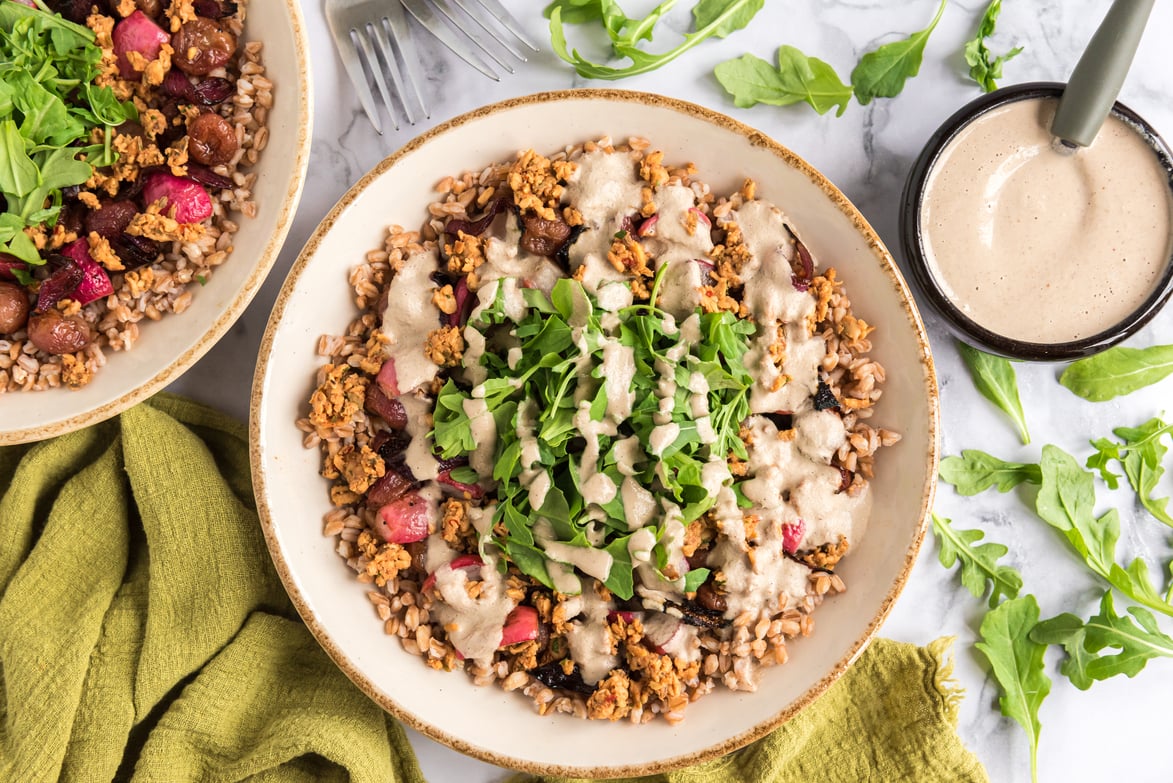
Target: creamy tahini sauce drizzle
773,299
1041,245
409,317
790,479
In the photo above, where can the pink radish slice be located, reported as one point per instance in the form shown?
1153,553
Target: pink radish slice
404,520
95,283
792,536
463,562
624,615
648,227
521,625
387,380
660,629
191,202
137,33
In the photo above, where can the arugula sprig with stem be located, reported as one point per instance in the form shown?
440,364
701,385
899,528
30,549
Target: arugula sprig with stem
538,406
995,378
979,562
1118,371
711,18
1017,662
984,67
1135,635
976,471
1140,454
1066,502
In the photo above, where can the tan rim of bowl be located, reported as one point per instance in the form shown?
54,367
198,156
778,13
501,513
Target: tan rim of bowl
930,385
247,291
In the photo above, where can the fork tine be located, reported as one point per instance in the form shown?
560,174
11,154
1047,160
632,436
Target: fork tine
507,20
445,9
494,34
396,24
349,56
423,14
376,68
387,54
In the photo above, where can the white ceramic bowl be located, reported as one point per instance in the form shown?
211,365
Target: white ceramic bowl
168,347
489,723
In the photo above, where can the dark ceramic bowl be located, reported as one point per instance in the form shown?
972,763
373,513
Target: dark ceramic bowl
930,289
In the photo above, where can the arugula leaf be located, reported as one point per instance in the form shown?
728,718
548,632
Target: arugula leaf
994,377
976,471
979,564
1066,501
1017,662
713,18
984,67
1141,455
694,579
1117,371
706,11
881,73
751,80
1137,637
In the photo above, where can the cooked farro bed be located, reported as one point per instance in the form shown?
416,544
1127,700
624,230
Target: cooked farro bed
172,121
597,434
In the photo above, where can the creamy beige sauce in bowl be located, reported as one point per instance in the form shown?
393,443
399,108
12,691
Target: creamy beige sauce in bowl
1035,244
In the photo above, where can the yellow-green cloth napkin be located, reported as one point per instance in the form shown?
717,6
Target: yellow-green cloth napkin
145,636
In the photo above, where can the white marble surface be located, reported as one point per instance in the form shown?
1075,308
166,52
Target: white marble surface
1118,729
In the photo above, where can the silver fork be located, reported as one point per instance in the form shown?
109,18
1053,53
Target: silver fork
354,23
457,32
371,35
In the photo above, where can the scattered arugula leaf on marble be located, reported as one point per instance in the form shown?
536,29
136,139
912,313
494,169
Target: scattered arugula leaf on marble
882,72
1140,455
798,78
711,18
976,471
994,377
1136,635
1066,501
979,562
1118,371
1017,662
984,67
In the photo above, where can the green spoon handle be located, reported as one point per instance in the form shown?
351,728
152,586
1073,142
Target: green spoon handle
1100,72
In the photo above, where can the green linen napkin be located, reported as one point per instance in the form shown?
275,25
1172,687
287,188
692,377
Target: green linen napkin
145,636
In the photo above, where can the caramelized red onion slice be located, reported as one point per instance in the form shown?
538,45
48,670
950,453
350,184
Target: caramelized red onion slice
214,9
804,271
465,302
60,284
8,263
205,176
474,228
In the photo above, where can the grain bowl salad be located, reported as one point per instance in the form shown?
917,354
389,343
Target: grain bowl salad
597,434
128,129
